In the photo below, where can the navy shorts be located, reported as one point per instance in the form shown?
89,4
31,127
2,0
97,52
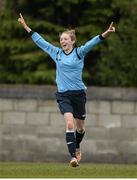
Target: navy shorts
72,101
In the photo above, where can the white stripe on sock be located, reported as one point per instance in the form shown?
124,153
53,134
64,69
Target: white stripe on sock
67,131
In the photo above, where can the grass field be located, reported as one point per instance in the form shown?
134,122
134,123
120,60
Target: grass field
61,170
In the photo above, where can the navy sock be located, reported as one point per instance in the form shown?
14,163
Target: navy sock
71,143
79,137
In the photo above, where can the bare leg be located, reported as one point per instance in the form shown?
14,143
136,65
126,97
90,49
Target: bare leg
69,120
80,125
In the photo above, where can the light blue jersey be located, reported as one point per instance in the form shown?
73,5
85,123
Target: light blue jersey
69,67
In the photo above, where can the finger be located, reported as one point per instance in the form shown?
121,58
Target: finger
111,25
21,16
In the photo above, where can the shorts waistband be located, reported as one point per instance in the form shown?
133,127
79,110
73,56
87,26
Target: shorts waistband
72,91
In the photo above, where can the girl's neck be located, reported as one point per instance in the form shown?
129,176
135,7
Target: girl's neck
68,51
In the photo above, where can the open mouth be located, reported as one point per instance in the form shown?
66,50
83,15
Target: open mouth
64,45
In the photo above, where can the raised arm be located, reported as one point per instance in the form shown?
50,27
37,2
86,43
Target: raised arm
111,29
39,40
23,23
84,49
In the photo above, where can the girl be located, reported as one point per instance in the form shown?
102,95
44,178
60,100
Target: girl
70,95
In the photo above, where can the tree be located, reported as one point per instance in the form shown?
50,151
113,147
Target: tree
113,63
117,65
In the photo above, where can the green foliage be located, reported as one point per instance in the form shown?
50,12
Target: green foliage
112,63
117,65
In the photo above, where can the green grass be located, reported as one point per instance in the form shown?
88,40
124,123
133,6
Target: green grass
61,170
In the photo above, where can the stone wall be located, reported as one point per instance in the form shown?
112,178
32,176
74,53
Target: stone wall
32,128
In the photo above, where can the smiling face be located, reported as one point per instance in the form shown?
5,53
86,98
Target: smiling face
67,40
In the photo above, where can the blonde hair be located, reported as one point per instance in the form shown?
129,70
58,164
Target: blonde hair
72,34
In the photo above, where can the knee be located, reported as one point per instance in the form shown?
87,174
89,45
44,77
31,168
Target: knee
81,130
70,126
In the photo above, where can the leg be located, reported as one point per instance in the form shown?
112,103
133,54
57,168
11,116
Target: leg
70,133
80,125
70,138
79,103
66,108
69,120
80,131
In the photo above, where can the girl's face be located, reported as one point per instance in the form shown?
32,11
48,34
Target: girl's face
66,42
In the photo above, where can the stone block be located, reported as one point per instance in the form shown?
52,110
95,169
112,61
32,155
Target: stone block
6,104
12,130
22,156
97,133
0,118
129,121
135,107
99,107
14,117
109,121
37,118
123,107
54,145
104,93
128,147
8,143
25,105
88,146
123,134
56,119
50,131
129,94
106,147
4,156
48,106
91,120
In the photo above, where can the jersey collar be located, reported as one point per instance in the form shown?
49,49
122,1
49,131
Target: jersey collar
68,53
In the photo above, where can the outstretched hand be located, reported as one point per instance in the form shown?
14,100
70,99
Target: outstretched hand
23,23
111,29
21,20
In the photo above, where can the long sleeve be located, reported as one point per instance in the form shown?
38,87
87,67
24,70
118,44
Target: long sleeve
84,49
44,45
